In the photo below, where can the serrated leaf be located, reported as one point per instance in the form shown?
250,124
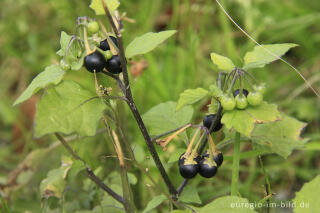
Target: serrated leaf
222,62
52,74
191,96
259,57
307,199
147,42
62,109
156,201
97,6
243,120
190,195
227,204
280,137
164,117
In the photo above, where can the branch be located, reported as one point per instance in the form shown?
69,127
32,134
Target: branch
90,173
133,107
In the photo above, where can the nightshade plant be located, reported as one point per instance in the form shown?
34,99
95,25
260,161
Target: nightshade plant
237,109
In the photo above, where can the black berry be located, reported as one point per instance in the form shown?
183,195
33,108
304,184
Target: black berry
104,45
188,168
95,61
207,168
218,158
237,92
207,121
114,65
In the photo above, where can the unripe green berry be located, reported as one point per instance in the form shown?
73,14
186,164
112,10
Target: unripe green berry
228,103
93,27
241,102
255,98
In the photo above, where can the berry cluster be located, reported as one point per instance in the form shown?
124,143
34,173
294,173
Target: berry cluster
96,61
191,163
100,47
241,98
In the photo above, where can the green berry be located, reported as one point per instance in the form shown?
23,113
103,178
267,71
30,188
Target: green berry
228,103
93,27
241,102
255,98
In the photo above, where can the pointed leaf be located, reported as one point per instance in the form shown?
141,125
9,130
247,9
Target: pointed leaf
191,96
307,199
243,120
280,137
259,57
97,6
63,109
164,117
222,62
51,75
147,42
156,201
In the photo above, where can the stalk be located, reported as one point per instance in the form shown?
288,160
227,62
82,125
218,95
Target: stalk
235,165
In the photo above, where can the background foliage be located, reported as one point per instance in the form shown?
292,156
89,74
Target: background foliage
29,38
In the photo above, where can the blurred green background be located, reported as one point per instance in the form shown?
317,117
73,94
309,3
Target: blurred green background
29,37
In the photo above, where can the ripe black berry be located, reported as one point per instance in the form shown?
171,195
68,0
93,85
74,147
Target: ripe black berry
104,45
207,168
188,167
207,121
95,61
218,158
237,92
114,64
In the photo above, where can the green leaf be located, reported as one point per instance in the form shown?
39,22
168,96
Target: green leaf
74,55
222,62
243,120
191,96
181,211
51,75
64,42
164,117
307,199
174,156
227,204
190,195
97,6
280,137
259,57
147,42
156,201
63,109
54,183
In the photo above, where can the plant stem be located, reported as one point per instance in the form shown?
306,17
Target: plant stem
133,107
267,182
90,173
127,193
235,165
